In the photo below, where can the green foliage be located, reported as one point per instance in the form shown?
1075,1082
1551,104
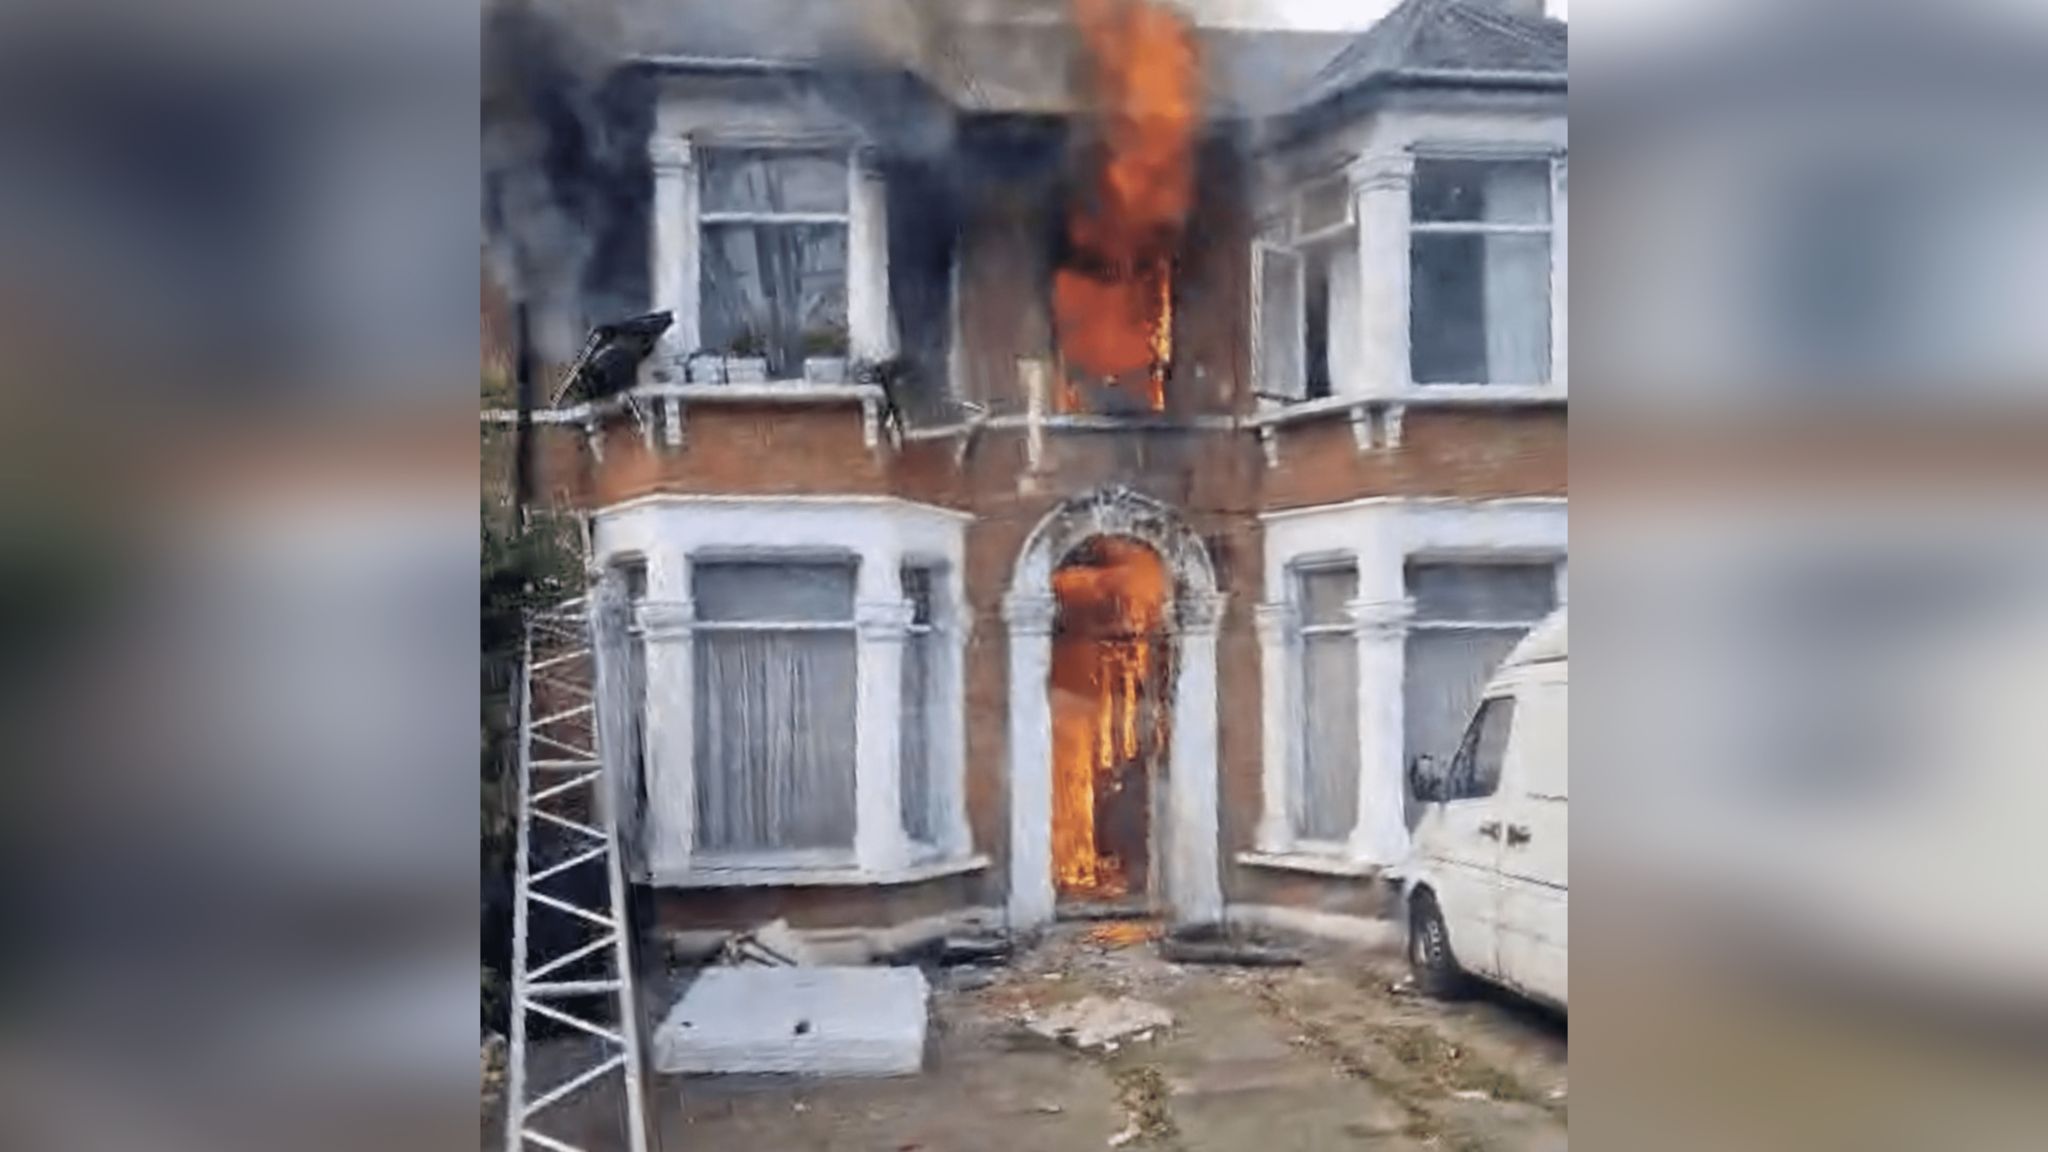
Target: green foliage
520,570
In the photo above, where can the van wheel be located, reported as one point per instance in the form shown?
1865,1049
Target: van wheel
1429,950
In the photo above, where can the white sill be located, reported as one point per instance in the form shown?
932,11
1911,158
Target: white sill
713,876
1318,863
1273,411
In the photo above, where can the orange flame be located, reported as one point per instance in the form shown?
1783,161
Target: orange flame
1113,298
1103,665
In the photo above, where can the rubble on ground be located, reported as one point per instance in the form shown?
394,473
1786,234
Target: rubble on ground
1099,1023
773,945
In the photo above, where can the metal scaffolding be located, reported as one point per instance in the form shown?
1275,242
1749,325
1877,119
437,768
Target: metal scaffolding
571,948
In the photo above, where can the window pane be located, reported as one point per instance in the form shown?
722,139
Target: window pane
1326,798
774,741
775,291
1316,323
774,181
1324,592
1476,771
1512,593
1280,323
1479,309
917,589
776,591
1481,191
1446,673
917,793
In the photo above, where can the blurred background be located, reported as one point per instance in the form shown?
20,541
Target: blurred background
1812,559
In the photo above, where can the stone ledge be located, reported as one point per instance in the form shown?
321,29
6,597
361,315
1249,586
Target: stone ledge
1315,862
714,877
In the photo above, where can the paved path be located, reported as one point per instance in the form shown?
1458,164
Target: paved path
1332,1055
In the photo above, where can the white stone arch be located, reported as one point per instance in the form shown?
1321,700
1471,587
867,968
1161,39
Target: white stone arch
1193,891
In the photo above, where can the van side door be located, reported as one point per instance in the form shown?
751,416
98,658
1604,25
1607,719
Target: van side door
1464,848
1535,891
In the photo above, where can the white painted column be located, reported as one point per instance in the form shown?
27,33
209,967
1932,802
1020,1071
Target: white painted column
870,331
668,630
879,842
1030,619
1379,186
1277,624
1381,834
949,744
1560,273
674,269
1195,833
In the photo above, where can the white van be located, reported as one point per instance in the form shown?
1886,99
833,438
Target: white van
1485,884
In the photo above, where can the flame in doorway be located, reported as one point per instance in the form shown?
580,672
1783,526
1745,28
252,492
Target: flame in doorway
1113,295
1106,710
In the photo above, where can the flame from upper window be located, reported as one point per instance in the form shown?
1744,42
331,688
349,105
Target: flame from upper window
1113,297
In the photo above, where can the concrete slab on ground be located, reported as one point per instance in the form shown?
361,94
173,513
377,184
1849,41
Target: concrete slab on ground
805,1021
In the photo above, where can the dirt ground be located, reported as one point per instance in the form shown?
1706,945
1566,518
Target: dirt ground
1336,1054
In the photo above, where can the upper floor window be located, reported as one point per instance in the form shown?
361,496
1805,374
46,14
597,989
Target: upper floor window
775,236
1479,271
1307,290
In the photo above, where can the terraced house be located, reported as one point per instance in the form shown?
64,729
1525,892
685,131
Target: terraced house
1091,449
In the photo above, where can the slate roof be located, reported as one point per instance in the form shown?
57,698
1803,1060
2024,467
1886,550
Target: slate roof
1027,66
1444,36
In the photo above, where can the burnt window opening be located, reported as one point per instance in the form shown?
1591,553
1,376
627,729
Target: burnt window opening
1109,314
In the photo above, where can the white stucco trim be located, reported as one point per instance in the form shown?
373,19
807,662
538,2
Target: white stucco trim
1193,892
1379,534
881,534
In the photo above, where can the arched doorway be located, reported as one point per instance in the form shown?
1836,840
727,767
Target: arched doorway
1105,530
1111,719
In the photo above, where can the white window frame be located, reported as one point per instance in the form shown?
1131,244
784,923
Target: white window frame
1554,231
678,223
932,708
1299,735
1285,235
779,857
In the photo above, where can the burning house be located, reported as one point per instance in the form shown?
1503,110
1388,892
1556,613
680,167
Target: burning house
1090,452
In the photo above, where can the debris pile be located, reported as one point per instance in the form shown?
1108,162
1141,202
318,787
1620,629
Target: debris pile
1100,1024
772,945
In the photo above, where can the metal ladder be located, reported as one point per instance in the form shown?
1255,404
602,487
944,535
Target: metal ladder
567,832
